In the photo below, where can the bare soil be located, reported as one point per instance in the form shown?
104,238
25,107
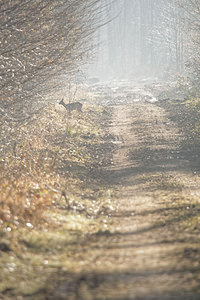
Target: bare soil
152,247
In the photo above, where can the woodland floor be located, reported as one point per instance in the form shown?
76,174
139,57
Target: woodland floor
151,247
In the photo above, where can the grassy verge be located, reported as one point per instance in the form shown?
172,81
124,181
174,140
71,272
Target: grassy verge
52,196
194,106
186,115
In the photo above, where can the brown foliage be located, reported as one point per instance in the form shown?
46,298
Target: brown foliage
41,40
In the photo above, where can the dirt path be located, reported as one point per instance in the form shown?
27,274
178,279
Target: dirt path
152,249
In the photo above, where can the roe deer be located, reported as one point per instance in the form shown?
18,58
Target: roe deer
72,106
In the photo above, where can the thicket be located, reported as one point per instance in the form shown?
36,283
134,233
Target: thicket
43,44
40,41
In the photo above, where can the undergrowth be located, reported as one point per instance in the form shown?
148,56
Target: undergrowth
194,104
41,161
52,195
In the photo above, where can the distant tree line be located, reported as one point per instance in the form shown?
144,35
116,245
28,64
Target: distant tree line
153,37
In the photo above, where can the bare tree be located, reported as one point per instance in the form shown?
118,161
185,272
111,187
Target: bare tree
41,40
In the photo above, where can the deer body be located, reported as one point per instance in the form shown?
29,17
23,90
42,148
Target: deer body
72,106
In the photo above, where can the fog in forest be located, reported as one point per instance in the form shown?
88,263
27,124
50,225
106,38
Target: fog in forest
142,38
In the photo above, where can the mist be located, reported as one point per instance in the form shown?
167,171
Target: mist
141,38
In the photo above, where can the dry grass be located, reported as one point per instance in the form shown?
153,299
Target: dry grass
30,181
49,201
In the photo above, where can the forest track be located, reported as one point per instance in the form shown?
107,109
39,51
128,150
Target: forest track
152,248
